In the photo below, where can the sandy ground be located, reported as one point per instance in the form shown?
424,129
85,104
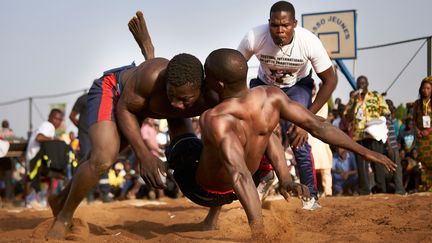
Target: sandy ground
377,218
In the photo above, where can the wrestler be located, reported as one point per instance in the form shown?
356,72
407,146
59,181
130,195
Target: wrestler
235,133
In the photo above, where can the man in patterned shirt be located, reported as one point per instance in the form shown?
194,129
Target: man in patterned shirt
365,106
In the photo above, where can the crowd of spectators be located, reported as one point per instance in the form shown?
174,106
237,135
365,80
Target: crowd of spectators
28,180
402,133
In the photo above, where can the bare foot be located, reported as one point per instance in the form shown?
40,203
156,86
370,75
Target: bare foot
210,222
58,230
258,232
206,226
138,28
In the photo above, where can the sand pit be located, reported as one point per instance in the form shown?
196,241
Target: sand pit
377,218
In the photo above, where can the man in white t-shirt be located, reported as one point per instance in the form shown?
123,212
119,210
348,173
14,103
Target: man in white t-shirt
45,132
287,54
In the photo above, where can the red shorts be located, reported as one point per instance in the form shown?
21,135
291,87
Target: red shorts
104,95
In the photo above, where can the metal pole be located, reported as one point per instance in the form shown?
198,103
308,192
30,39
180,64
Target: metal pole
30,130
429,55
346,73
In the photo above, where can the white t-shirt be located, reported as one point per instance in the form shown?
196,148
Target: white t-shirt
285,66
33,147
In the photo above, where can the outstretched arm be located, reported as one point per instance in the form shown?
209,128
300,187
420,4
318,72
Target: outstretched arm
298,137
324,131
138,28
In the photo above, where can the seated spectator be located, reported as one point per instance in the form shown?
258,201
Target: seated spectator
74,143
6,166
411,171
6,132
344,173
116,179
18,177
44,133
130,181
334,118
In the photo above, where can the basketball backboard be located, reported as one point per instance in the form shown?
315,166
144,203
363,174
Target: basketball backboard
336,30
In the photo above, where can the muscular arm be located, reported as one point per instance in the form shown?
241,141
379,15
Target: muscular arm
73,117
329,80
233,159
324,131
299,136
276,154
128,103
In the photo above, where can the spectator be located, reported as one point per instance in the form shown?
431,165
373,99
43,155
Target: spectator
18,177
344,172
116,178
45,132
365,106
336,117
407,136
392,149
412,171
397,123
130,182
74,142
287,55
149,133
337,103
322,154
6,165
344,124
6,132
78,116
422,119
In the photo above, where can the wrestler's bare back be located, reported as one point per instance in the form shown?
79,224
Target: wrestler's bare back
252,119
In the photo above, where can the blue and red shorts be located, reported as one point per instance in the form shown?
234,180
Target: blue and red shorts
104,95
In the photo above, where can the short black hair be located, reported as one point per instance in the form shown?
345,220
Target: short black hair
184,69
54,111
5,124
362,77
283,6
229,65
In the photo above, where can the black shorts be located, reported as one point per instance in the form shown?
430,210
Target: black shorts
183,155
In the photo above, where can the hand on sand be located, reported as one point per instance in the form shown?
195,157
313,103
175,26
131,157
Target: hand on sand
302,191
152,171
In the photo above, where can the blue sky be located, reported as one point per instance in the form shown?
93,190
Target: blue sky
56,46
